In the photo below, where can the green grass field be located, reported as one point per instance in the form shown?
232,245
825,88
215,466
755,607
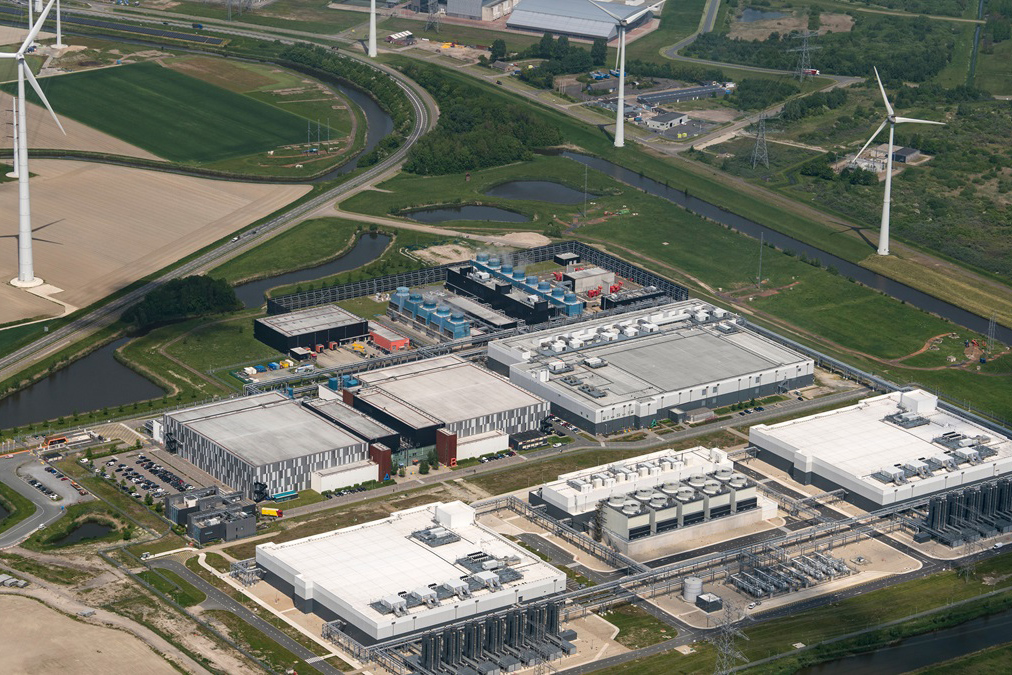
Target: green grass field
637,629
993,70
678,20
17,506
310,16
174,586
174,116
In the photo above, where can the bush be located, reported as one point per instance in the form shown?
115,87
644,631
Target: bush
183,298
423,467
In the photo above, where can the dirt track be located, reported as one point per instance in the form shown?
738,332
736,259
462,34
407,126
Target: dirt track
43,134
98,228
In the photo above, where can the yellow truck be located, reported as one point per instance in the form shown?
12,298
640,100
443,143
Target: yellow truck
271,513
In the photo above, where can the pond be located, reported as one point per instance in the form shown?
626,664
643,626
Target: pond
93,382
470,212
369,247
89,530
539,190
750,15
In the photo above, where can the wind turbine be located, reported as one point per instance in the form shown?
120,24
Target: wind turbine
623,24
26,272
892,120
372,29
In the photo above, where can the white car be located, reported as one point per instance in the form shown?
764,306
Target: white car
556,445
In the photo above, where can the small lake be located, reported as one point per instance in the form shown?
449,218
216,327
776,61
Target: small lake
750,15
91,383
923,650
539,190
84,531
369,247
470,212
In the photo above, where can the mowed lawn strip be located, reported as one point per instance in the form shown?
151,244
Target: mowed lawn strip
172,115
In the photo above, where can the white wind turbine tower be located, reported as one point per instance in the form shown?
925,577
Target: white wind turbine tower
892,120
26,272
59,24
623,23
372,29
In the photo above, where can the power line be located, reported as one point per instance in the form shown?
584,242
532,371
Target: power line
760,153
804,66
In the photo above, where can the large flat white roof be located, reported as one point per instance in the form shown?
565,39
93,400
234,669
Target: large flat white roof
363,564
857,441
446,388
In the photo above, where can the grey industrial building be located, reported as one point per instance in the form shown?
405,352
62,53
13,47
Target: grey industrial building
209,514
417,399
577,18
266,439
483,10
353,421
309,327
614,373
678,95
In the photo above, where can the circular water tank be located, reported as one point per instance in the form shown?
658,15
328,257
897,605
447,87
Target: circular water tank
738,480
401,290
692,587
571,298
544,286
658,502
631,509
697,480
722,474
685,494
644,495
482,257
493,262
458,316
519,274
507,268
616,501
712,487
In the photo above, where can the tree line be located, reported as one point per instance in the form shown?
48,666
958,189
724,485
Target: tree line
813,104
476,129
182,299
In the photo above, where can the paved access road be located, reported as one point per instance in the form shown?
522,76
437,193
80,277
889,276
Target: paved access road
46,510
225,601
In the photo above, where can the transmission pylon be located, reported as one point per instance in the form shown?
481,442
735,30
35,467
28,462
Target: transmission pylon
804,66
760,154
726,637
432,22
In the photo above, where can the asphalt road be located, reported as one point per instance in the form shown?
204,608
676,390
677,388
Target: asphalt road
46,510
227,603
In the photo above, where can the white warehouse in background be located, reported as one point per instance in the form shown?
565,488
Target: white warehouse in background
417,569
886,449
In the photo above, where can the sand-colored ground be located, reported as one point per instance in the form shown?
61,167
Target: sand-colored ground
10,35
43,134
447,253
98,228
49,642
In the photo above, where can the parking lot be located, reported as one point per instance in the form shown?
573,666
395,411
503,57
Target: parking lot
692,128
52,483
139,475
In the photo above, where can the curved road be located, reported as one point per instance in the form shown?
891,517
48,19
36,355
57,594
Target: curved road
425,117
46,511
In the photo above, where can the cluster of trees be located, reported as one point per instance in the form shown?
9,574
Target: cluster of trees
917,48
674,70
375,83
905,96
999,24
813,104
755,94
820,168
476,129
562,58
181,299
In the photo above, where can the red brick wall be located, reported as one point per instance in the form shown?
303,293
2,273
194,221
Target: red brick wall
446,447
381,455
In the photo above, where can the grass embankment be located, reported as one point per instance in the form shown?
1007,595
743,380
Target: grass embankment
18,507
984,662
309,244
677,21
267,650
518,476
305,498
57,574
848,616
18,336
637,628
174,586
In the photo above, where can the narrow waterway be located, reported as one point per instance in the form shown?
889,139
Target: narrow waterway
470,212
84,531
91,383
923,650
369,247
890,287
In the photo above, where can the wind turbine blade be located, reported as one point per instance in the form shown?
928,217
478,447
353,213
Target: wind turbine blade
911,119
38,90
8,55
877,132
885,98
598,5
37,27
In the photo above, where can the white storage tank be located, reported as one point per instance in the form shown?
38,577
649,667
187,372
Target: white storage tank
691,588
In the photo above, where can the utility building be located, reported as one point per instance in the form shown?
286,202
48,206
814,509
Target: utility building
886,450
309,327
413,571
610,374
573,17
210,514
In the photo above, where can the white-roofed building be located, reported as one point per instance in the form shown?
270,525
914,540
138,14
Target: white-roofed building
417,569
578,18
886,449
